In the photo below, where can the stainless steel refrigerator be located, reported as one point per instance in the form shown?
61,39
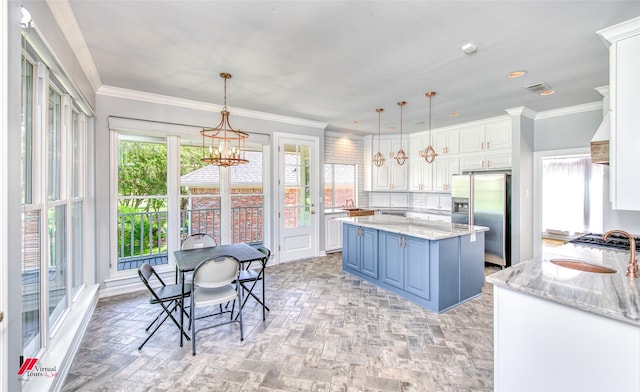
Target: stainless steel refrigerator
484,199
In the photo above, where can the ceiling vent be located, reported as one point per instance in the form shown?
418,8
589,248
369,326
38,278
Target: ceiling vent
537,88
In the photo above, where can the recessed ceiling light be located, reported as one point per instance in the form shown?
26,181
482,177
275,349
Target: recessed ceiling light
517,74
392,128
356,121
548,92
454,114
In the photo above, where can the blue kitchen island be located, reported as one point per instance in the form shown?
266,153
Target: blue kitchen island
436,265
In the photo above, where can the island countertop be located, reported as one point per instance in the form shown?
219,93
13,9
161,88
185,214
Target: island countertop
430,230
610,295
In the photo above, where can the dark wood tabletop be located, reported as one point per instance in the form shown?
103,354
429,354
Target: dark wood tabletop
188,260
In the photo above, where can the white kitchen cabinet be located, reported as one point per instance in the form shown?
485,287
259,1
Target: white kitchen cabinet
421,176
333,232
500,159
540,345
487,137
400,200
391,176
446,142
443,169
624,79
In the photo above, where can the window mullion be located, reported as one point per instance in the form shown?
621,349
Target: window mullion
225,206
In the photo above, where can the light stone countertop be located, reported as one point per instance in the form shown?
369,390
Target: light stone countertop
419,228
610,295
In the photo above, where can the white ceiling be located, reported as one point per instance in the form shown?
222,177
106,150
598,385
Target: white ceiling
337,61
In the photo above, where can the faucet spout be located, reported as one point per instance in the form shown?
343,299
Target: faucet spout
632,268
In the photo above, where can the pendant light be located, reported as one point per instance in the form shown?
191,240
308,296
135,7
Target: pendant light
429,153
401,157
378,159
223,145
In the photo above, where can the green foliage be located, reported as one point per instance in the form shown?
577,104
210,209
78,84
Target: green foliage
141,232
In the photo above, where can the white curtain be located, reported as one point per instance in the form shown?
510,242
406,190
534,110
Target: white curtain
571,193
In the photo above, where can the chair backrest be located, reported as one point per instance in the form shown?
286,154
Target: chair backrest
199,240
145,272
216,271
264,250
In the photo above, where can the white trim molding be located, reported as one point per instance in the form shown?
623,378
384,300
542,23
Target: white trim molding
586,107
117,92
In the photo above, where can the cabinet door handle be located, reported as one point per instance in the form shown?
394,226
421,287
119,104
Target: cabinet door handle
488,163
483,163
482,144
487,145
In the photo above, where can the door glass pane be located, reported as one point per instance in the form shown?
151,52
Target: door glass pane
31,260
142,203
297,191
54,144
200,194
57,271
77,241
247,199
27,130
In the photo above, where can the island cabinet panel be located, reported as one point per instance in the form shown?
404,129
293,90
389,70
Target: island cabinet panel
370,252
471,272
392,259
360,249
436,274
416,275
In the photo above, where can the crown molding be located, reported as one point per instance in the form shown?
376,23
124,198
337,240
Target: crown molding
66,20
522,111
117,92
587,107
621,31
348,136
603,90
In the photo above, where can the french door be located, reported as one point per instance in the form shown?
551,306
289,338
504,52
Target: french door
297,197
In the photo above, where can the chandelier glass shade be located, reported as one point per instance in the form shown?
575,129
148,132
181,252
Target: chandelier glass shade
223,145
378,159
401,157
429,153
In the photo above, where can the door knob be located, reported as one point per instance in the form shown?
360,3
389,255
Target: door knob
313,212
1,316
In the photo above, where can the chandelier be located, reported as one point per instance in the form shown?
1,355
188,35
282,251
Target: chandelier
223,145
378,159
401,157
429,153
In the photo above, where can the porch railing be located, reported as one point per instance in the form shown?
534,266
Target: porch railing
142,236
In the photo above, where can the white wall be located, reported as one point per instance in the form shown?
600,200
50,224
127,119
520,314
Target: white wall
575,130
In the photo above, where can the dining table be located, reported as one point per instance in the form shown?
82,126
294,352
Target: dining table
188,260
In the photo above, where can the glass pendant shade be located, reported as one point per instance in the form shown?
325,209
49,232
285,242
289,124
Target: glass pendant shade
429,153
223,145
401,157
378,159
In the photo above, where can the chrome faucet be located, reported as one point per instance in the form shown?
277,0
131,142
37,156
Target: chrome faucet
632,268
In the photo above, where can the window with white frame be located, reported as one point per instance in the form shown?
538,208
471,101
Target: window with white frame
339,185
53,208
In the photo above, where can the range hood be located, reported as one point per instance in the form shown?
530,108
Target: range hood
600,142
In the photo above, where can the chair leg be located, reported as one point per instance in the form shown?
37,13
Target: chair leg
192,319
240,315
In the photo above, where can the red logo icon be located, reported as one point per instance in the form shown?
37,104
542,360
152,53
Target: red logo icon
27,365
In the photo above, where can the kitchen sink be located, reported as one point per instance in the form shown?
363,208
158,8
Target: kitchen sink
582,266
358,212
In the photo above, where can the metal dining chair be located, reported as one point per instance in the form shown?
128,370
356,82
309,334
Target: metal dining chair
195,241
169,297
212,284
250,277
